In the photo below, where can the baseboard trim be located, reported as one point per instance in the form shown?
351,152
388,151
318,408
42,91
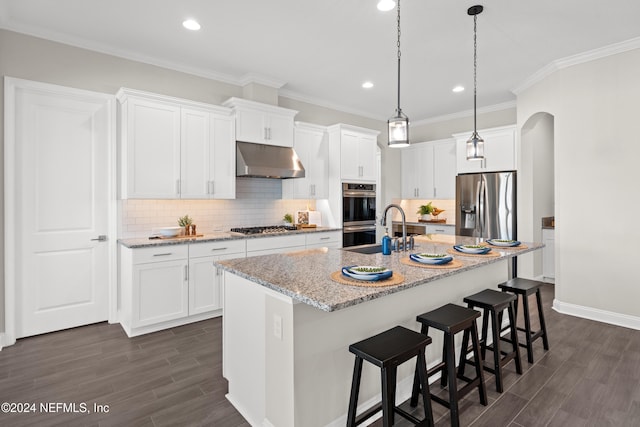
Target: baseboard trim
624,320
1,340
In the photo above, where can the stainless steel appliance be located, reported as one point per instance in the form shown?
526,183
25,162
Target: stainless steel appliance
269,229
358,214
486,205
267,161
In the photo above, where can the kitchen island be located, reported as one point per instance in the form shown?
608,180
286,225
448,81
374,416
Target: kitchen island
287,325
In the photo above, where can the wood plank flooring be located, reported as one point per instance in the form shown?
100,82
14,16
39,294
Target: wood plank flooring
590,377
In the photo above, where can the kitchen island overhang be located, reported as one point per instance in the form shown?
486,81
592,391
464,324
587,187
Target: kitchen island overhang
287,326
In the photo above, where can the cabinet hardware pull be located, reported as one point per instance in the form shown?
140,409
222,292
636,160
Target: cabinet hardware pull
186,272
269,133
325,238
164,254
211,187
177,186
218,249
435,191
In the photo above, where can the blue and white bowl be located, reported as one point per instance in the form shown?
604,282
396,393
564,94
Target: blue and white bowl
431,259
503,242
360,272
472,249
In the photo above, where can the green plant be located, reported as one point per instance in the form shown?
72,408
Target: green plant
426,209
183,221
288,218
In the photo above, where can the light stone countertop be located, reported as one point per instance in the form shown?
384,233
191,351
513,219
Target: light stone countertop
305,275
212,237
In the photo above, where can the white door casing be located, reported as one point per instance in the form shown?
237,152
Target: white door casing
59,200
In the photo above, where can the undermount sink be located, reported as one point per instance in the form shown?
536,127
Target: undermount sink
369,249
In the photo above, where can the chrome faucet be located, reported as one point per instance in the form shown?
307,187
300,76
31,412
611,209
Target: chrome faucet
383,222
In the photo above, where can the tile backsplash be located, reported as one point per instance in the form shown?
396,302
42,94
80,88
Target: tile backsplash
258,202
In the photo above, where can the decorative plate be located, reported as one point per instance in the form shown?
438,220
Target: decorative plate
503,242
432,259
367,272
472,249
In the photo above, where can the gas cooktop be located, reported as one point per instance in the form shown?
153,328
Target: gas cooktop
264,230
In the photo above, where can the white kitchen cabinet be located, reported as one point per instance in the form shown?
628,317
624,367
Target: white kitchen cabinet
499,151
429,170
158,290
205,280
276,244
262,123
329,239
439,229
312,146
173,148
548,253
357,148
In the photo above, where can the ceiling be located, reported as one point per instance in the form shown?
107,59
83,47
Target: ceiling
321,51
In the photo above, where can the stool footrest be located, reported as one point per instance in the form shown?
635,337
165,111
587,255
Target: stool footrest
368,413
408,416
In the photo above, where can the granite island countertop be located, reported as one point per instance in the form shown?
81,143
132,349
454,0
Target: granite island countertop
144,242
305,275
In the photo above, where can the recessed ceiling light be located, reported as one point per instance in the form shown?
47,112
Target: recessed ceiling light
367,85
191,24
458,89
386,5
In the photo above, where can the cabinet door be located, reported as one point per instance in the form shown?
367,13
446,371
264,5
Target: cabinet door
424,171
205,283
444,171
318,159
153,150
349,156
367,158
195,154
222,158
408,164
462,164
251,126
500,151
160,292
279,130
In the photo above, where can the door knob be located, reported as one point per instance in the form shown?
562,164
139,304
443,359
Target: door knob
101,238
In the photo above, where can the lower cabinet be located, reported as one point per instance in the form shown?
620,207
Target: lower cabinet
167,286
439,229
330,239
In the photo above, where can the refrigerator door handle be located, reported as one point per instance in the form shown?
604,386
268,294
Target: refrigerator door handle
479,207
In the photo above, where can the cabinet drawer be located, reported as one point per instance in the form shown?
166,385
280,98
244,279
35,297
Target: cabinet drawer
322,238
266,243
439,229
160,253
222,247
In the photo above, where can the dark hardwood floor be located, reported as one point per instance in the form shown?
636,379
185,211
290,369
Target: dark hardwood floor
589,377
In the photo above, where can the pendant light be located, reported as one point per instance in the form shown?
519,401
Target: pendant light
475,144
399,124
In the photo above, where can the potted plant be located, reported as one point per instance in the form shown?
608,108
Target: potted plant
425,210
288,218
185,221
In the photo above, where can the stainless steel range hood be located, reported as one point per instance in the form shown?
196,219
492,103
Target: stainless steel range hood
267,161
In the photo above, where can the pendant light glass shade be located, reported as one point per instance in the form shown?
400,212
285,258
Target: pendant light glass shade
475,144
398,130
475,147
398,125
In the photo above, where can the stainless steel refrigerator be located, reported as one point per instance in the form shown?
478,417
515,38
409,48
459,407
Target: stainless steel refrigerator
486,205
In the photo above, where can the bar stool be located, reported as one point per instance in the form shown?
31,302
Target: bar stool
387,351
451,319
493,303
526,287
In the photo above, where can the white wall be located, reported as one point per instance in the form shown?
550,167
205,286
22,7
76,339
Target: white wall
596,128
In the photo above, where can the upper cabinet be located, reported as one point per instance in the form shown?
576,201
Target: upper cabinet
172,148
499,151
357,148
312,146
262,123
429,170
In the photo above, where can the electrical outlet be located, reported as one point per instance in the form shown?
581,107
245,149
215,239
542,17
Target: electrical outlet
277,326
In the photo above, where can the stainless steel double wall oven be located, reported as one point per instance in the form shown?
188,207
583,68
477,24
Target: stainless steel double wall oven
358,214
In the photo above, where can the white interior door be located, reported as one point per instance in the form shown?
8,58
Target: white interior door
62,152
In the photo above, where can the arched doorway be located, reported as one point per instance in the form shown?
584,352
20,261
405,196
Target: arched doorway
536,186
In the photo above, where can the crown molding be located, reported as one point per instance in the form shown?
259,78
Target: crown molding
467,113
579,58
326,104
262,80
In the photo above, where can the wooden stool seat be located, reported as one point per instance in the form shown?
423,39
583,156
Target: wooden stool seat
451,319
387,351
525,288
493,303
